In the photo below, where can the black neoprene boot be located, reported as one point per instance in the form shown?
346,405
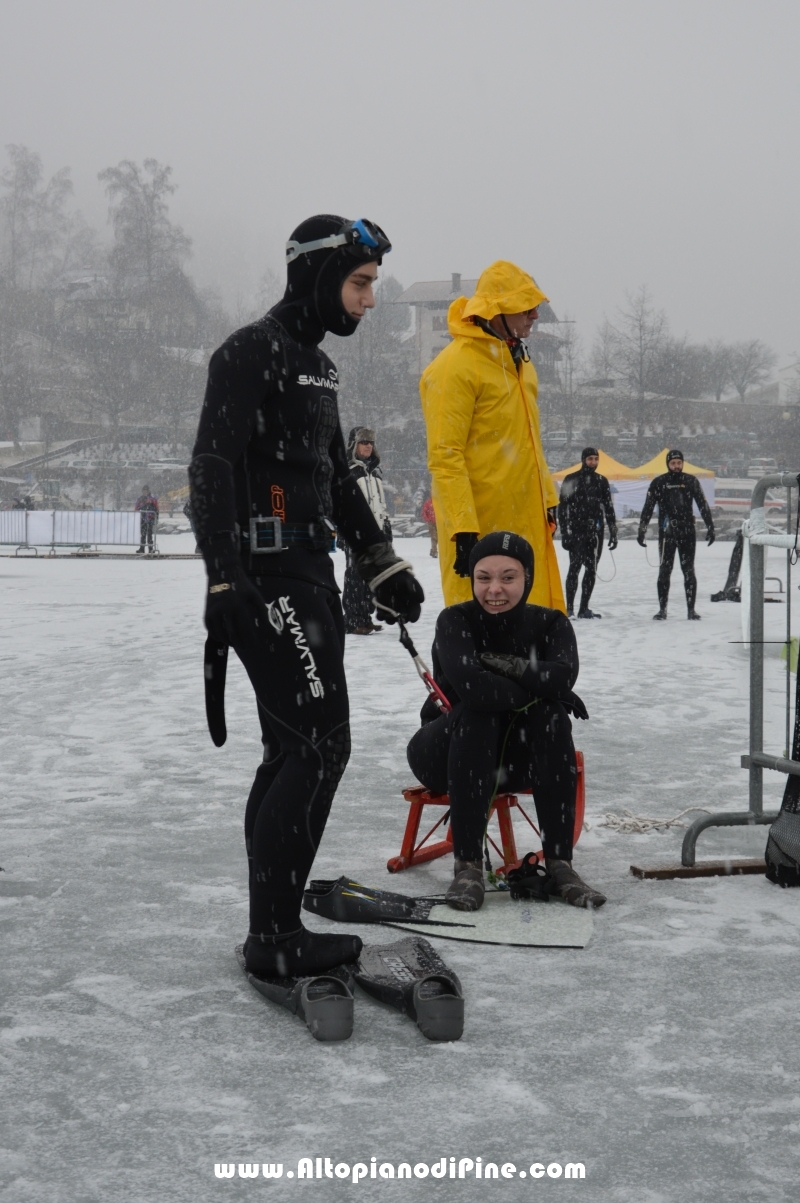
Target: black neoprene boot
693,616
572,888
662,615
467,889
300,954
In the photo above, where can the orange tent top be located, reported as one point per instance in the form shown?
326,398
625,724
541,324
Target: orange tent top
608,467
658,464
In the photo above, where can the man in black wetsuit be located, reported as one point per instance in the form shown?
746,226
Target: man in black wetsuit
508,669
584,504
674,493
270,486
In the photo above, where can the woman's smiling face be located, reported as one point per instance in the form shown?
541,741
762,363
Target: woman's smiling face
498,583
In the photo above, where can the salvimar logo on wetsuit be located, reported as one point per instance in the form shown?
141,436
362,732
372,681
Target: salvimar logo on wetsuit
310,665
329,381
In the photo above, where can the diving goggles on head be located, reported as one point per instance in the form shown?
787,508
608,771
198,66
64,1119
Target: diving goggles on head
361,235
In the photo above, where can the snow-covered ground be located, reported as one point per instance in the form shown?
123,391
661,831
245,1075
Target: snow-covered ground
133,1054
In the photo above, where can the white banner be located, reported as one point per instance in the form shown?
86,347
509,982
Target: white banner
629,495
69,528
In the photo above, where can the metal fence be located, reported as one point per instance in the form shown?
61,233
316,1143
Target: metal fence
31,529
757,536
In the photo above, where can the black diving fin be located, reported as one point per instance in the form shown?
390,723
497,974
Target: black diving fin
324,1001
410,976
347,901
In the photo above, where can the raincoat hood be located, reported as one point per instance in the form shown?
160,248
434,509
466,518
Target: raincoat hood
502,288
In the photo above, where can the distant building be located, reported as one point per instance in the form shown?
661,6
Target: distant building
430,300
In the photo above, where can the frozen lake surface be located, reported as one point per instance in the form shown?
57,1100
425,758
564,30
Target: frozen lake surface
133,1053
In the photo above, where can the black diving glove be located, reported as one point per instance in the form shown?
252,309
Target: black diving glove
505,665
640,539
612,541
710,537
392,582
465,541
233,604
515,667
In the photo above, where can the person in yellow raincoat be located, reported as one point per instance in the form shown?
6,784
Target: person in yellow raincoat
484,448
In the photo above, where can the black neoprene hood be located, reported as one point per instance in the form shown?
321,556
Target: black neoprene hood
314,279
504,543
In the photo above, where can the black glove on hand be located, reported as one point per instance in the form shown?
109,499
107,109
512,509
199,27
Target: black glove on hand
640,539
233,604
574,705
566,542
465,541
505,665
612,541
710,536
515,667
401,591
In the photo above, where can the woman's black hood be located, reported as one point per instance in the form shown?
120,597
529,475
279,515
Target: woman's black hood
312,303
504,543
500,632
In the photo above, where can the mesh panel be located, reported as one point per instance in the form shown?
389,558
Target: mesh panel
783,846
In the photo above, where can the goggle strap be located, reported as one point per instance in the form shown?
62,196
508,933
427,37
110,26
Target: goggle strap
357,232
295,249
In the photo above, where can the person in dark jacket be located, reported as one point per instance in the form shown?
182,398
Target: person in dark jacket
147,507
675,493
364,462
270,484
584,507
508,670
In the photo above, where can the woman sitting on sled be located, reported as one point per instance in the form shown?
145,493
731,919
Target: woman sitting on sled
507,669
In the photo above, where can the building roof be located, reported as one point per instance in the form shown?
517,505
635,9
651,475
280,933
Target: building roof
435,290
431,292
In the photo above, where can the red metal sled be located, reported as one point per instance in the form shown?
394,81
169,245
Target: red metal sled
413,853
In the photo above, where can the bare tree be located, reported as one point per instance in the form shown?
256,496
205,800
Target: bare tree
750,363
679,369
602,356
717,368
148,246
638,338
33,216
568,368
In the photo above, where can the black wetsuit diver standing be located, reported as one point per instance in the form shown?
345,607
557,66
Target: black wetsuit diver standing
269,486
674,493
585,505
509,678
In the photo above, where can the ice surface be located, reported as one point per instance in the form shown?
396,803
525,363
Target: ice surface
133,1053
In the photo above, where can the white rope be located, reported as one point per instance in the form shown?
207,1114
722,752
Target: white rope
392,570
627,823
606,580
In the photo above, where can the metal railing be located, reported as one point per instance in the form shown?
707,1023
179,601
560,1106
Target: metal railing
757,536
29,530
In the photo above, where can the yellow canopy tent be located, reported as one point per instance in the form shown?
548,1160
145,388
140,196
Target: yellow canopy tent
609,467
658,464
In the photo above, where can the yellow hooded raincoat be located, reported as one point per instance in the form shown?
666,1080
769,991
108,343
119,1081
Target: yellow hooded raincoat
484,449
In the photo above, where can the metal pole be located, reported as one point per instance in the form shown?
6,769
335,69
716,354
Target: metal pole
789,626
756,675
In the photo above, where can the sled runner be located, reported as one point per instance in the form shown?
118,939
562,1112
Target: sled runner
324,1002
411,977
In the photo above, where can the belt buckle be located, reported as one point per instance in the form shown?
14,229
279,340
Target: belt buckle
260,523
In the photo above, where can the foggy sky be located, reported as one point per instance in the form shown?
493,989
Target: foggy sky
601,145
